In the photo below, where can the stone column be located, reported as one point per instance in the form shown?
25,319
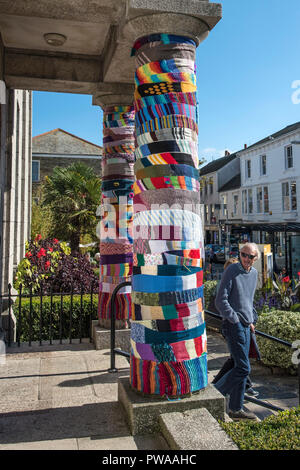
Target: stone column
117,206
168,336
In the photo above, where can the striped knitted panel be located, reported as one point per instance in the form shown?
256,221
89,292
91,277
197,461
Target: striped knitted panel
116,210
168,335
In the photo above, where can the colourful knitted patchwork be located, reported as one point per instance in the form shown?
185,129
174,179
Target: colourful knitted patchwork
168,336
117,210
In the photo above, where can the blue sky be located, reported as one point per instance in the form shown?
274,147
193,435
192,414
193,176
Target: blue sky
245,72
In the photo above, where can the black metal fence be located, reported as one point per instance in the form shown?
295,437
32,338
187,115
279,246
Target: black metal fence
38,317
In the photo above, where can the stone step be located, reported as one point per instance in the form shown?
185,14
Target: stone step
101,338
194,429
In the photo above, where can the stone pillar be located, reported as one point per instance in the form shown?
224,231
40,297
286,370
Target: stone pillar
117,206
168,336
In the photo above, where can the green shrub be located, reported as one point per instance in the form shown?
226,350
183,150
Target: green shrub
57,312
277,432
295,308
210,289
283,325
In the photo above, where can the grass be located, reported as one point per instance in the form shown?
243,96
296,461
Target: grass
277,432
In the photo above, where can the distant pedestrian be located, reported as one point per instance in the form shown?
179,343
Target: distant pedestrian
234,302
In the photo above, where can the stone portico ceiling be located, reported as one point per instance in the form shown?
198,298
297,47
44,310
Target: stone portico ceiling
99,36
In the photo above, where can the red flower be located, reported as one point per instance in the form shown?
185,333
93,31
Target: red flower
28,254
55,240
50,249
47,264
298,273
286,279
38,237
42,252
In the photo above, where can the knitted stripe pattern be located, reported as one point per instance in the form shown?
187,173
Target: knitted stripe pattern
116,210
168,335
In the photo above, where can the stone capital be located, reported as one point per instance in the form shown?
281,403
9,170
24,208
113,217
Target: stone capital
113,94
168,23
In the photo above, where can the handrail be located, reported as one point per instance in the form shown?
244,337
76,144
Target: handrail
272,338
113,350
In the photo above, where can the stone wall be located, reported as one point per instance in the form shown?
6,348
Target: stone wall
48,163
15,181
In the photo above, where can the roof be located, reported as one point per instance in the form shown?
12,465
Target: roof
286,130
68,133
215,165
234,183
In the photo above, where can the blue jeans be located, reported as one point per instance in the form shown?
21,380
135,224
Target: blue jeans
234,381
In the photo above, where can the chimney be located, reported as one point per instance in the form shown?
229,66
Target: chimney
227,153
245,146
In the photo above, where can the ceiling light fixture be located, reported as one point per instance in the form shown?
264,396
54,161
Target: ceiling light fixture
55,39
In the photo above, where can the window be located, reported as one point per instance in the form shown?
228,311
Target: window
235,204
262,198
211,183
293,196
244,201
35,171
289,157
224,205
259,200
289,196
206,213
263,164
248,168
250,202
266,199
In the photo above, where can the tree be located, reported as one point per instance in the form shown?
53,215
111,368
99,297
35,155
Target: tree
73,195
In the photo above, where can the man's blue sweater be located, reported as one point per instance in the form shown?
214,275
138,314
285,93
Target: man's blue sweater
235,295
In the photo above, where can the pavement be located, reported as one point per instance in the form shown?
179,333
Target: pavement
62,397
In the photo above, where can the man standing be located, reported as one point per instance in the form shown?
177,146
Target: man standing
234,302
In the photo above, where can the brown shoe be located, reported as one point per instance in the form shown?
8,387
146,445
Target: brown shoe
239,415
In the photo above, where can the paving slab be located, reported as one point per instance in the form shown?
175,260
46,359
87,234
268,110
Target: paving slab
63,397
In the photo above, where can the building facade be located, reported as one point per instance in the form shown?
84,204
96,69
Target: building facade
270,194
214,176
60,148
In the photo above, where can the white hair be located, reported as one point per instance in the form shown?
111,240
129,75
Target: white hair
254,247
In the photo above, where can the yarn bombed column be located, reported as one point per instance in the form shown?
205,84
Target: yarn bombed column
117,212
168,336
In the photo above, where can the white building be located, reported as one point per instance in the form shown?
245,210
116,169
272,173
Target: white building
231,210
270,194
213,176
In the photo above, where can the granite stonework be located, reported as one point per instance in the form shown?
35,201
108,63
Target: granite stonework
194,430
142,413
101,338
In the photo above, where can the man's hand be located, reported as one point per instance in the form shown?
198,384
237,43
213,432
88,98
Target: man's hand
252,327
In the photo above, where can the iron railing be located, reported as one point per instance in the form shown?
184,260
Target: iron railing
114,351
37,323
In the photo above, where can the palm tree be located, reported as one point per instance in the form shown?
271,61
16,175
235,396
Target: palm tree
73,195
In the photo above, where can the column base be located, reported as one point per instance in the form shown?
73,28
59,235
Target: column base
142,412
